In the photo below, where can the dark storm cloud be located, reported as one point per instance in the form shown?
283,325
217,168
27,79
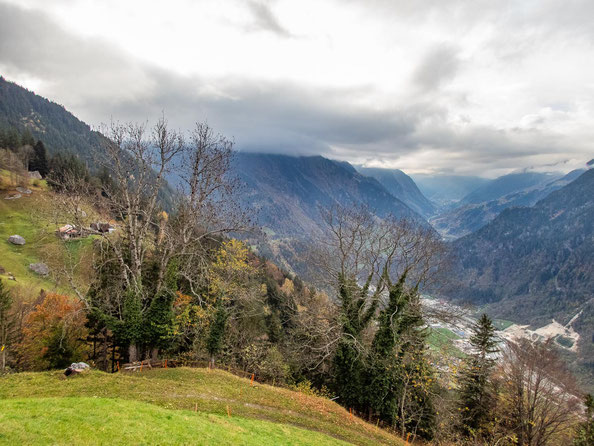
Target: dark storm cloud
265,19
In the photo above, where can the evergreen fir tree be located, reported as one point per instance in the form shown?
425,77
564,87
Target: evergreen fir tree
216,335
356,312
383,361
39,162
12,140
476,394
399,379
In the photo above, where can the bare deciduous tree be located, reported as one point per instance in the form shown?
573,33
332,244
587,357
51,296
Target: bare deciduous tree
139,162
538,394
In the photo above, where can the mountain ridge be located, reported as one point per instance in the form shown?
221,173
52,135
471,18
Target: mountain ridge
540,262
403,187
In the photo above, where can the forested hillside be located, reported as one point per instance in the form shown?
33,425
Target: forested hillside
401,186
536,263
286,196
22,110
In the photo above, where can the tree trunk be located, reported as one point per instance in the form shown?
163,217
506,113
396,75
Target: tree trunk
154,353
105,352
3,359
132,353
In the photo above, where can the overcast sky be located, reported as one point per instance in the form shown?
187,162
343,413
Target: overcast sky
459,86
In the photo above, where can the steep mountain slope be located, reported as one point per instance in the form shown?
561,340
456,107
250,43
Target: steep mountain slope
401,186
447,189
51,123
470,217
286,194
59,129
531,264
507,184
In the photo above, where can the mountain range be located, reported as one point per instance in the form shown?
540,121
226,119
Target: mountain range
533,264
526,249
482,205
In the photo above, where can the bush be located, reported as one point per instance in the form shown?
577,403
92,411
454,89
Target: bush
306,388
273,368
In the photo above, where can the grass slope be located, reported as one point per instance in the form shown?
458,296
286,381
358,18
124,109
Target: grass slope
441,339
87,421
211,392
36,218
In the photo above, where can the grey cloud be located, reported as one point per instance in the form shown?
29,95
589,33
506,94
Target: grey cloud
265,20
97,81
33,44
439,66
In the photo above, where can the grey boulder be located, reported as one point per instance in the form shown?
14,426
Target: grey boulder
16,240
39,268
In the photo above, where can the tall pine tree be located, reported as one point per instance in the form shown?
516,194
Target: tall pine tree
39,161
357,309
399,379
476,393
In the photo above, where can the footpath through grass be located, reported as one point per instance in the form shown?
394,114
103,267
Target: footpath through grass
211,392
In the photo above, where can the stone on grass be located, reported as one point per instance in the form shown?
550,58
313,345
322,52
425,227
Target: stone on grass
39,268
35,175
76,368
16,240
13,196
23,190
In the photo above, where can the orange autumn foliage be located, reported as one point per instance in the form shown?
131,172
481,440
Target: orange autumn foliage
53,334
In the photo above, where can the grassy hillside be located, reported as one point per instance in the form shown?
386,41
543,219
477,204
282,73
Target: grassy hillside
45,407
36,218
105,421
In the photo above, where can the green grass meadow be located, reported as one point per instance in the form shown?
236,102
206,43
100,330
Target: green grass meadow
171,406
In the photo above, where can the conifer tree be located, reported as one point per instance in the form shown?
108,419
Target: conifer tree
476,394
383,361
27,138
39,161
356,313
399,378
